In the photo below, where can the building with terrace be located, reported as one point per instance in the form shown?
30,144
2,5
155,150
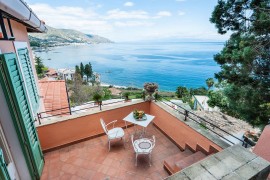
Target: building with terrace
75,146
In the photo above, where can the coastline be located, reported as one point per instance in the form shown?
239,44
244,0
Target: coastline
116,86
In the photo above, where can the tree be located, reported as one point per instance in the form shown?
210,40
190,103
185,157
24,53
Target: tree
107,93
209,82
245,58
181,91
40,68
77,70
198,91
82,69
88,71
39,65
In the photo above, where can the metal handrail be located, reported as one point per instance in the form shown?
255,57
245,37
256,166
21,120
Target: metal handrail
187,112
70,112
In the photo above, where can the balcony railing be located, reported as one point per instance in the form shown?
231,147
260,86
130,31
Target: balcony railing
46,114
189,115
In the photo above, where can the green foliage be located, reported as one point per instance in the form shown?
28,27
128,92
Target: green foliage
107,93
181,92
186,94
82,69
35,44
80,93
97,97
68,81
88,71
203,125
40,68
217,98
77,69
198,91
210,82
245,58
126,95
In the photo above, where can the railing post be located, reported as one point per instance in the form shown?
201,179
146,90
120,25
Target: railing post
186,114
39,116
68,97
100,104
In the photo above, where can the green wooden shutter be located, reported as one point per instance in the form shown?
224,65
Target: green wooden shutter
20,109
3,167
28,76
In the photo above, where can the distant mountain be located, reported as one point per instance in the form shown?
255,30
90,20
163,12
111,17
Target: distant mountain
58,37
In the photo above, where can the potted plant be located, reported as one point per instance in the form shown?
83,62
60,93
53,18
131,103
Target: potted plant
143,95
126,95
150,88
156,95
97,98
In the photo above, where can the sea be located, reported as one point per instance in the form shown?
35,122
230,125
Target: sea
170,64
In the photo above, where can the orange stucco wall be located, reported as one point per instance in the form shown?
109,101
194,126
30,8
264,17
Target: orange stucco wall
177,130
60,133
68,131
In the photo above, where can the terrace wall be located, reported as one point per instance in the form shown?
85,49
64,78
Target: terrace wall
79,127
177,130
76,128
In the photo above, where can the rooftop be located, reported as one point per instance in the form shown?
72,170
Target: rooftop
54,96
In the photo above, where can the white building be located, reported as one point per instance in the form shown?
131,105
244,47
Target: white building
200,103
67,74
97,77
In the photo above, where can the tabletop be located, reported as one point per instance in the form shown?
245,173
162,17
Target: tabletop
143,123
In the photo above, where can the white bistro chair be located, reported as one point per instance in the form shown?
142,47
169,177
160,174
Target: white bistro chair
114,133
143,146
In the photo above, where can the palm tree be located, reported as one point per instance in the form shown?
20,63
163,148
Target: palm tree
210,82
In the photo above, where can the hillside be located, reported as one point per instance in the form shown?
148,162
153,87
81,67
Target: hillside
58,37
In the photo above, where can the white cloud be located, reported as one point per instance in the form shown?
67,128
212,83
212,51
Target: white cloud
118,14
181,13
129,4
180,0
133,24
164,14
82,19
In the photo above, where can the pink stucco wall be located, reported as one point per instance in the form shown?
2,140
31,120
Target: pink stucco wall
20,34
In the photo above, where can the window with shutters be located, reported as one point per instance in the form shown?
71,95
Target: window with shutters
3,167
28,78
17,83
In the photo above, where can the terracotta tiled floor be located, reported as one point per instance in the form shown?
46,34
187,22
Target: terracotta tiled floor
92,160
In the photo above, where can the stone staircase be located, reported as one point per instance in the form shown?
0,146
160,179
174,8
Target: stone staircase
187,157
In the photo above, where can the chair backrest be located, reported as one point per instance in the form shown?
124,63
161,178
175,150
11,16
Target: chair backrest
103,125
153,142
132,140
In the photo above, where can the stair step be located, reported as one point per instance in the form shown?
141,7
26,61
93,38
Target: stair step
183,163
169,163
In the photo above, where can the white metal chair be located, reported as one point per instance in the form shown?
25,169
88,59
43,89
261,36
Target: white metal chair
114,133
143,146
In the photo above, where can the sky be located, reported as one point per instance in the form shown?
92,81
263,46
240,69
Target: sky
136,20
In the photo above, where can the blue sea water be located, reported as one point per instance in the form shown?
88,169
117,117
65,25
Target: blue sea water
170,64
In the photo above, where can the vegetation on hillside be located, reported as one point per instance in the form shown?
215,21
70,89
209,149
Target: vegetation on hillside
185,94
56,37
245,59
41,69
